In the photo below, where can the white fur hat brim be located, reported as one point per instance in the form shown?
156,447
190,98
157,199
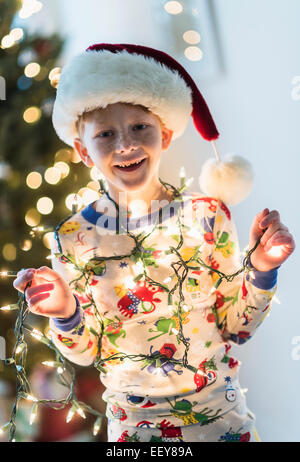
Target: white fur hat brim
96,79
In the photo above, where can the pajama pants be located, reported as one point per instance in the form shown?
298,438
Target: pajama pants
233,426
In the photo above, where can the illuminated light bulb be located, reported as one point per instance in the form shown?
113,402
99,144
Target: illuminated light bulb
3,273
185,308
194,233
244,390
167,280
32,69
31,398
81,413
252,275
213,289
1,431
48,363
5,308
173,7
276,300
70,415
189,181
275,251
175,331
202,248
138,268
129,282
32,114
191,36
182,172
137,208
172,229
33,414
193,53
97,426
73,200
36,334
19,348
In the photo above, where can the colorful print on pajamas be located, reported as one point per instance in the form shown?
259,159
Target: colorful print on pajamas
146,399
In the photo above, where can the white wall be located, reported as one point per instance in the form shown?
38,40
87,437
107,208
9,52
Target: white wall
257,118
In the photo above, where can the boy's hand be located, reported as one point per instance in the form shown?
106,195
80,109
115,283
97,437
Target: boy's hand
46,284
276,243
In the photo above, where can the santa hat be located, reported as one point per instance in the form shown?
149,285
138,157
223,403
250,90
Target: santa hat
111,73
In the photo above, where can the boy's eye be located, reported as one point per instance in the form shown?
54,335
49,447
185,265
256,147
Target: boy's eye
141,125
103,134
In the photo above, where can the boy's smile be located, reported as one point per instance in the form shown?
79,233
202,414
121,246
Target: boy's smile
125,142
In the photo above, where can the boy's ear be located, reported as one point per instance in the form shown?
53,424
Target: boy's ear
82,151
166,138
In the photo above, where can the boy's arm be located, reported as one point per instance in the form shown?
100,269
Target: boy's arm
243,303
72,336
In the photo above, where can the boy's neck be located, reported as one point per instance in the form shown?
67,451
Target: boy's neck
155,191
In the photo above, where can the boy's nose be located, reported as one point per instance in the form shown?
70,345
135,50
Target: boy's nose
126,144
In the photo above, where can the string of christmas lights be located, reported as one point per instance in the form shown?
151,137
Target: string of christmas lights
65,372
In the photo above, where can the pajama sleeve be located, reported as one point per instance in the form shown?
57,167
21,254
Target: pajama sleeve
74,336
242,304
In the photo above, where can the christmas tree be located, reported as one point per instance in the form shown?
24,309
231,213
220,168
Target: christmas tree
37,171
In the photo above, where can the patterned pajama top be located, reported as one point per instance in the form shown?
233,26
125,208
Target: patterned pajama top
137,319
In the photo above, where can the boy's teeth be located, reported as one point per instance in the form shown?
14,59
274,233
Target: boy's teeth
133,163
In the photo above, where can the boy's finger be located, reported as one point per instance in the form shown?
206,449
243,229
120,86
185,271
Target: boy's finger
38,289
23,279
38,298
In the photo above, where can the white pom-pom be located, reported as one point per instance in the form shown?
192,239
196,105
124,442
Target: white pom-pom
230,180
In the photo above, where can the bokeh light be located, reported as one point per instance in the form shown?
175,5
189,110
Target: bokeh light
32,217
193,53
32,114
191,36
9,252
52,175
34,180
45,205
173,7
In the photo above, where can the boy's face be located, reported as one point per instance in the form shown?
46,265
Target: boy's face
119,134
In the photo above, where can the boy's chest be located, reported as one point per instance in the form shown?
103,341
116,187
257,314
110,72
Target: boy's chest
132,277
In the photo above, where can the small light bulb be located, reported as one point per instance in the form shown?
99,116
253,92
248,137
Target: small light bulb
70,415
5,308
31,398
36,334
175,331
81,413
167,280
33,414
185,308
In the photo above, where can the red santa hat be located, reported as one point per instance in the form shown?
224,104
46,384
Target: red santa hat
111,73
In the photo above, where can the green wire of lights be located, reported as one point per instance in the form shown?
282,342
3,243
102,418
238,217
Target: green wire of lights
65,372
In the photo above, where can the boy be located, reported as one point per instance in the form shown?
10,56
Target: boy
120,105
